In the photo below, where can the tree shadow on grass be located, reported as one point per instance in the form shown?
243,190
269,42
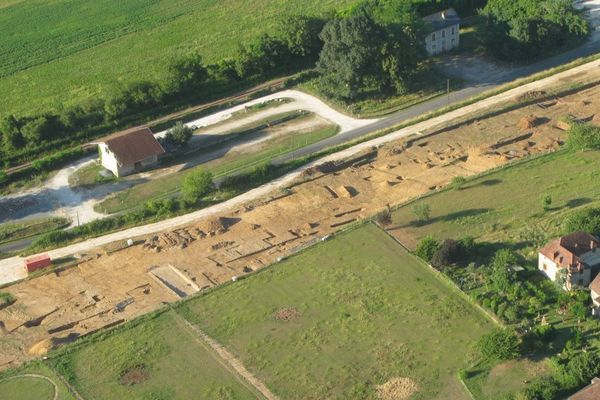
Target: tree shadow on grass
472,212
577,202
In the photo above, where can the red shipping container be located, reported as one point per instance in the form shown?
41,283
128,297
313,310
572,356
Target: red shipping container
37,262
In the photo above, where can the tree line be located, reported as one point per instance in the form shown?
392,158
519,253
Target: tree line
374,43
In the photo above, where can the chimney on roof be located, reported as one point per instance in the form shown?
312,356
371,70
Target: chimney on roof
443,14
593,244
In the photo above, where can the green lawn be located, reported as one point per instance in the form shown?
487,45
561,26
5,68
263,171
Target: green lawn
506,204
365,312
15,386
90,175
63,51
156,358
500,381
231,163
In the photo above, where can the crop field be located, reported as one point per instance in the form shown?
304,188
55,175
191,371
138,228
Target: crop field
34,381
158,358
344,317
501,205
87,48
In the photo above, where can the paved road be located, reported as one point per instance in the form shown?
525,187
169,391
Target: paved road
11,269
474,89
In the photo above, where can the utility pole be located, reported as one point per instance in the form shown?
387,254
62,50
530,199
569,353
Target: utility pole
77,217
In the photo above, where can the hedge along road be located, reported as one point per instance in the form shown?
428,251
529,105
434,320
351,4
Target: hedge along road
11,269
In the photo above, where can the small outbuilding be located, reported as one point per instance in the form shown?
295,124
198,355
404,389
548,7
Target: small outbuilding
444,34
37,262
130,151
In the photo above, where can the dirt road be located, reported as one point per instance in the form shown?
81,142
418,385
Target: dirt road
11,269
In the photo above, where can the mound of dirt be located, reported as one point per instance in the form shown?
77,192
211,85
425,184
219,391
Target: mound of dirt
134,376
528,122
397,389
221,224
287,314
41,348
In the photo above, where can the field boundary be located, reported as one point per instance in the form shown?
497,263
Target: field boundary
225,357
37,376
445,279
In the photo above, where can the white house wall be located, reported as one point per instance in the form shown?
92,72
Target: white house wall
443,40
108,159
550,269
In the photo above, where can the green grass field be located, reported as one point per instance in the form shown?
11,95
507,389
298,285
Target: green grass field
87,48
159,358
230,163
15,386
367,312
500,205
91,175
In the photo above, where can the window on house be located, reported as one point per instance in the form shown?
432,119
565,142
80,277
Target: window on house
453,30
545,267
444,33
580,282
433,36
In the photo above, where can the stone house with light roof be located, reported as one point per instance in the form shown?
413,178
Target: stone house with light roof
444,32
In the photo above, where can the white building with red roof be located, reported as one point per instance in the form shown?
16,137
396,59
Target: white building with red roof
575,256
129,151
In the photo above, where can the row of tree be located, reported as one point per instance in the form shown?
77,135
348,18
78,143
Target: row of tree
374,44
521,30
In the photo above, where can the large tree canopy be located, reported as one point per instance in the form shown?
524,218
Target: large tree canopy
527,29
374,45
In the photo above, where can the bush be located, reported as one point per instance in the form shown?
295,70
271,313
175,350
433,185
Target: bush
584,137
196,185
427,248
422,211
179,135
447,253
458,182
587,220
500,344
384,217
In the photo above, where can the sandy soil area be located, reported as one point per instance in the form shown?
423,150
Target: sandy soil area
114,283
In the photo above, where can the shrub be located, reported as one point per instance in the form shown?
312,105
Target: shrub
384,217
500,344
179,135
583,136
587,220
447,253
458,182
196,185
427,248
422,211
546,202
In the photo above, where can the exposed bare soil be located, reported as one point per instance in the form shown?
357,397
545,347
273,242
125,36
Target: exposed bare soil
107,287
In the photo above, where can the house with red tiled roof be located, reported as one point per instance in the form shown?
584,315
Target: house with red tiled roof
590,392
129,151
574,258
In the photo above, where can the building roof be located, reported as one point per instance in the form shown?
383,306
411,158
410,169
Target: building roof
595,287
443,19
590,392
133,145
567,250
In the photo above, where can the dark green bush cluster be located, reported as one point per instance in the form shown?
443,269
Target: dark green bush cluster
521,30
446,253
500,344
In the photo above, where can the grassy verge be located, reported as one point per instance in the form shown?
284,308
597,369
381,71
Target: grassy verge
11,231
91,175
14,385
232,163
343,317
155,357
